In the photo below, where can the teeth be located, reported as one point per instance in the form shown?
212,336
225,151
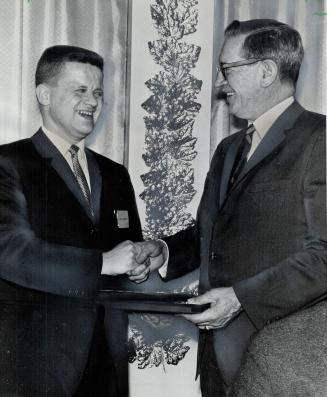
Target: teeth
85,113
230,94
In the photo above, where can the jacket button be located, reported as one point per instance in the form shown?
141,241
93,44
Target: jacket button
94,231
213,255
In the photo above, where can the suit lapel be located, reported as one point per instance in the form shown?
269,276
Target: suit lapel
48,151
228,165
96,183
273,138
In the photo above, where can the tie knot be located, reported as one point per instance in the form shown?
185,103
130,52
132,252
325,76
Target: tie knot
73,150
249,133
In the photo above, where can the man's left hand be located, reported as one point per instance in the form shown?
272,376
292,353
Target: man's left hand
224,307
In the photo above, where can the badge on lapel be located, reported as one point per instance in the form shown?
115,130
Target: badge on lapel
122,219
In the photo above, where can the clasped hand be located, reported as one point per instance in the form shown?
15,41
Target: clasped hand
136,260
224,307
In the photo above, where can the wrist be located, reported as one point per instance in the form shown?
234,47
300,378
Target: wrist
107,267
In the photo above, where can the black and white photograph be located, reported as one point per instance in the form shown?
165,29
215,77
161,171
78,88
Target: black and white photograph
163,198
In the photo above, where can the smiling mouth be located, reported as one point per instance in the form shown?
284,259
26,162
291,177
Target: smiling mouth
229,96
86,114
224,95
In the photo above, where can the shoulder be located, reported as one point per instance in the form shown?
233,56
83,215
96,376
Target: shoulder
313,116
109,167
16,155
310,131
15,147
312,123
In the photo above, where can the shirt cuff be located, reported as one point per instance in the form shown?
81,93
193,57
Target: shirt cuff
164,268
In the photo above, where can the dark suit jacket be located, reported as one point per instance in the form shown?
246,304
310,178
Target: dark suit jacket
287,358
50,263
267,237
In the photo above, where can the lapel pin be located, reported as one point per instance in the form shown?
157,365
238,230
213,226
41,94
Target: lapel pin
122,219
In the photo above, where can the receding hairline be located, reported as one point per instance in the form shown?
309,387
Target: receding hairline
241,36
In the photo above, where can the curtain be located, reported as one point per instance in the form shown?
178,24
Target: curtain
307,17
27,27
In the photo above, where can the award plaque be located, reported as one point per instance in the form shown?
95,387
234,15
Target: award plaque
156,302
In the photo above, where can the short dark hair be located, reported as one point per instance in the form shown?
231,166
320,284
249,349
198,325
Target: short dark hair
53,59
270,39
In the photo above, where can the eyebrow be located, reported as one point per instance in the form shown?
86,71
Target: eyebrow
221,62
75,84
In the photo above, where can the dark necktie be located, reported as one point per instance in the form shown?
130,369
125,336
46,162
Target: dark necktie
80,176
241,157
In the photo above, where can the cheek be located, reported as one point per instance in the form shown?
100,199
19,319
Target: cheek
245,91
99,106
237,84
74,102
66,104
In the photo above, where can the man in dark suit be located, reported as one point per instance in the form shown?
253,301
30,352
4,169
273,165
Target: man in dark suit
67,216
260,238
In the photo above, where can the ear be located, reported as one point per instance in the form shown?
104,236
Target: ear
269,72
43,94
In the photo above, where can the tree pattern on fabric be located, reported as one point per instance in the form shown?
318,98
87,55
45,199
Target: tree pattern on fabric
170,350
169,151
172,109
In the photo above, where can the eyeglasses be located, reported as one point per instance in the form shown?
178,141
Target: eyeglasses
223,67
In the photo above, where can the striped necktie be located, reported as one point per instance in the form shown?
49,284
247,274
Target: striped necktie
242,154
80,176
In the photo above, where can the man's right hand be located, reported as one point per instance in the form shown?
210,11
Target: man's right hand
122,259
151,255
136,260
155,250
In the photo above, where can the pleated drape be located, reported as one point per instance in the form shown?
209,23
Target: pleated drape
27,27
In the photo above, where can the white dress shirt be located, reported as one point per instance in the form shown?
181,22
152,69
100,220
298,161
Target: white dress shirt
266,120
63,146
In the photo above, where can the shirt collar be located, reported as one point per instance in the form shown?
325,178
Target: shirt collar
267,119
61,144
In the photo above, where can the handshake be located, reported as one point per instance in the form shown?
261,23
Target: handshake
136,260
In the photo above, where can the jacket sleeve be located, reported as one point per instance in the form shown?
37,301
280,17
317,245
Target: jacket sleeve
300,279
183,253
135,223
185,246
30,262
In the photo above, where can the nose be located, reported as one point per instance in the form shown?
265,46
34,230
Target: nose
91,100
220,80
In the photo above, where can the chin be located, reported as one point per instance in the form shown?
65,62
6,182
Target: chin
237,112
82,134
85,129
234,111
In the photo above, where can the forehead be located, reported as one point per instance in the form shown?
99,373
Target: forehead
83,73
232,49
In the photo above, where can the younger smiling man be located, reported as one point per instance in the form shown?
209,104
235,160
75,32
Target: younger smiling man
59,231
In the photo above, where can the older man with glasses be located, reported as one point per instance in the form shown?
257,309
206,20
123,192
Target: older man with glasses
260,237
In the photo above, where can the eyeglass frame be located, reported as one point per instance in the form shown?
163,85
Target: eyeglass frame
243,62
